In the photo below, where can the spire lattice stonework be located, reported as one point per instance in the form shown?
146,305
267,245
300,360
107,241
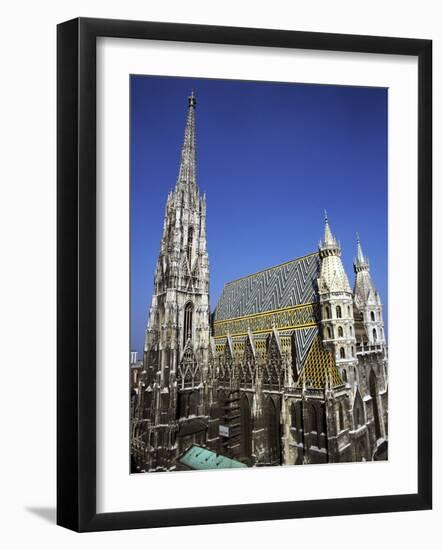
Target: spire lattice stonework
187,176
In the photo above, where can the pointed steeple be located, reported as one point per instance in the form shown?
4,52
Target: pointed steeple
332,274
364,286
187,179
360,257
329,245
367,300
328,237
361,263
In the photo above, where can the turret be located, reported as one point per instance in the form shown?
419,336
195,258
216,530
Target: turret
336,304
367,300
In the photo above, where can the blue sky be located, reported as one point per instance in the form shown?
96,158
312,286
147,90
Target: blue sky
271,157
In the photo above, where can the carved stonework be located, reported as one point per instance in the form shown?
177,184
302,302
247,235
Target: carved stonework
295,371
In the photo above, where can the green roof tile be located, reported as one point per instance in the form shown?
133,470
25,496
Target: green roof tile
199,458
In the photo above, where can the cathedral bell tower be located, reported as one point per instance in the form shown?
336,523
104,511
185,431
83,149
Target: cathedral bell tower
177,336
336,304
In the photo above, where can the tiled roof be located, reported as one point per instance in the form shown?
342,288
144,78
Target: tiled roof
319,368
285,285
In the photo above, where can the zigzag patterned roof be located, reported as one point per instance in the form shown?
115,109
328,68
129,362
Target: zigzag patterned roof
319,368
285,285
304,339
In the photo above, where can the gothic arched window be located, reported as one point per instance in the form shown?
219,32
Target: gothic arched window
340,332
344,375
372,316
329,332
187,325
327,312
338,312
342,353
189,246
350,330
374,334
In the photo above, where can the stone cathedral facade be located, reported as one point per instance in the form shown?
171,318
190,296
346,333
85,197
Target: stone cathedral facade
290,368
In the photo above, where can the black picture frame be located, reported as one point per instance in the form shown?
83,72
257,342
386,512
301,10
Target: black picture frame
76,280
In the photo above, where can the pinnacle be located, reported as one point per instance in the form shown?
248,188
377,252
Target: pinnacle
187,172
360,262
360,256
329,241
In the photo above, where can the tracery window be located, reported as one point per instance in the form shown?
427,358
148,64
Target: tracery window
189,246
187,325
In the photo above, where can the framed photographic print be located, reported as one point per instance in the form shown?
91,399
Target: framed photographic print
244,274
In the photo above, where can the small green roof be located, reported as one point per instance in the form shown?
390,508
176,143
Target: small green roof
199,458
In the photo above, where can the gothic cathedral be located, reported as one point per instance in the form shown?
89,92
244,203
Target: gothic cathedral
290,368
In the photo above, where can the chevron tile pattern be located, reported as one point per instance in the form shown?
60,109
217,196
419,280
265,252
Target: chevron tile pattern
303,341
285,285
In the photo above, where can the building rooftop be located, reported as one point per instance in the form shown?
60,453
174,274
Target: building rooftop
282,286
199,458
319,369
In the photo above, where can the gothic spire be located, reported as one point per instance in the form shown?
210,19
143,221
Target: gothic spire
364,285
360,256
333,277
187,173
328,237
361,263
329,243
